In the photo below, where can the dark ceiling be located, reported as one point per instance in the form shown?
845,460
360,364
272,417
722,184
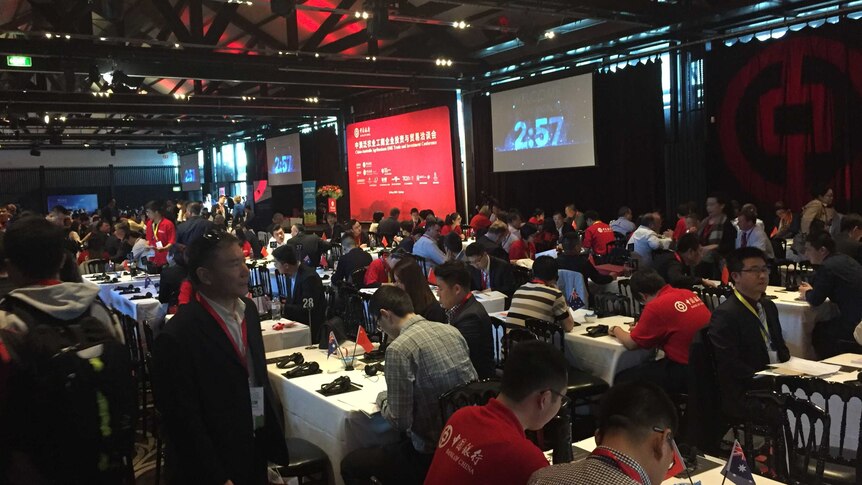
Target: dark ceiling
152,73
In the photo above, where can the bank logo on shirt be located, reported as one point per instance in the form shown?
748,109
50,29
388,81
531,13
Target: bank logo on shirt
444,436
681,307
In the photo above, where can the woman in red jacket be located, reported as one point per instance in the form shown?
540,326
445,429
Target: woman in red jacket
161,233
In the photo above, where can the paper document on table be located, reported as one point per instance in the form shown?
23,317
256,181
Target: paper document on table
361,401
848,360
808,367
843,377
488,295
551,252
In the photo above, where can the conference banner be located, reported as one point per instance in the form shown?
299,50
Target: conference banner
309,202
402,161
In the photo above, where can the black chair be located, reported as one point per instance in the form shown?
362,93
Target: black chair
843,464
635,306
93,266
476,393
616,252
422,262
583,388
521,275
713,297
259,283
609,304
157,422
281,283
703,422
357,277
791,426
306,460
498,329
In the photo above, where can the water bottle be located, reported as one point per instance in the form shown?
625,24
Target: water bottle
276,308
109,267
133,266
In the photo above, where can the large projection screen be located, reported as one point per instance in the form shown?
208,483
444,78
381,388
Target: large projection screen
544,126
401,161
283,161
189,172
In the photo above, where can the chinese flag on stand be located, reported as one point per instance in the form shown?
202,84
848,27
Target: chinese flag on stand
363,341
385,242
725,276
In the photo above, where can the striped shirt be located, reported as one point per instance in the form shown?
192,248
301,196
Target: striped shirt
535,300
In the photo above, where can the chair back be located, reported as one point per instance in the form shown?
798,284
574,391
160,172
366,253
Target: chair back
713,297
616,252
357,277
702,427
842,403
281,283
795,429
571,281
609,304
498,332
422,262
476,393
521,275
259,283
634,305
549,332
263,237
93,266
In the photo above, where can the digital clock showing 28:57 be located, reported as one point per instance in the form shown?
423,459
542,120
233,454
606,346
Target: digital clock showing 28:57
538,133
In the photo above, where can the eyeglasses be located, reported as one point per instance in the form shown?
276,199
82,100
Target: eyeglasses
564,400
757,269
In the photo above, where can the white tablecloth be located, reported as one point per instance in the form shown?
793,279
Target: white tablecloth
143,310
299,335
331,423
604,356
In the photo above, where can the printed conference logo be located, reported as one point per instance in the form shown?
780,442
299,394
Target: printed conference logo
360,131
784,111
444,436
680,307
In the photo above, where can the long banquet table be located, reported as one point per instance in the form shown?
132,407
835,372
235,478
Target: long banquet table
337,424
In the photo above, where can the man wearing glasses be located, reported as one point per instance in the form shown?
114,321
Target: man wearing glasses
487,444
634,441
221,423
744,330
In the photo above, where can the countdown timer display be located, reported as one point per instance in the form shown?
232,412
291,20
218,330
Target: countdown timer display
544,126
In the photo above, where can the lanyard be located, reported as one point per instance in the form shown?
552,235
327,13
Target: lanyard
763,331
609,457
155,226
218,319
676,255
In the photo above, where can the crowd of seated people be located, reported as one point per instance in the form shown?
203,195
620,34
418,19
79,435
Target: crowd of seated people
428,272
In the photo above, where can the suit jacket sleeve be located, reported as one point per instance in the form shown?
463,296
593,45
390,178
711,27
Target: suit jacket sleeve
821,286
733,372
176,386
728,239
678,278
505,280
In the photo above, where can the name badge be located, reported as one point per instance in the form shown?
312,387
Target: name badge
256,394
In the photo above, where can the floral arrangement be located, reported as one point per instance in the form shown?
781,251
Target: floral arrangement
330,191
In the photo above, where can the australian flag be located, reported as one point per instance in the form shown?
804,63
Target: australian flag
575,300
333,345
737,470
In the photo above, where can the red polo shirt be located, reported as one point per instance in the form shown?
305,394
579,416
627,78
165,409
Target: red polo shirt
480,221
670,321
597,237
484,445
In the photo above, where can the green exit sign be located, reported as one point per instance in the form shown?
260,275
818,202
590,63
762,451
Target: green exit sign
19,61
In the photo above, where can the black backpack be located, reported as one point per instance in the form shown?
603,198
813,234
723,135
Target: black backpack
69,407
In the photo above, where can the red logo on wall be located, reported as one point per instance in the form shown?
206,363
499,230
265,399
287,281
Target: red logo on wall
783,113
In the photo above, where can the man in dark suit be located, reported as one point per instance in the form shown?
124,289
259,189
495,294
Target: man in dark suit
308,247
489,273
352,259
332,231
838,277
745,331
219,411
303,290
190,230
467,315
389,227
677,268
492,240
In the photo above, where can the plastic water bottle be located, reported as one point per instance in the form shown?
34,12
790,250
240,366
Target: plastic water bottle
133,266
109,267
276,308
